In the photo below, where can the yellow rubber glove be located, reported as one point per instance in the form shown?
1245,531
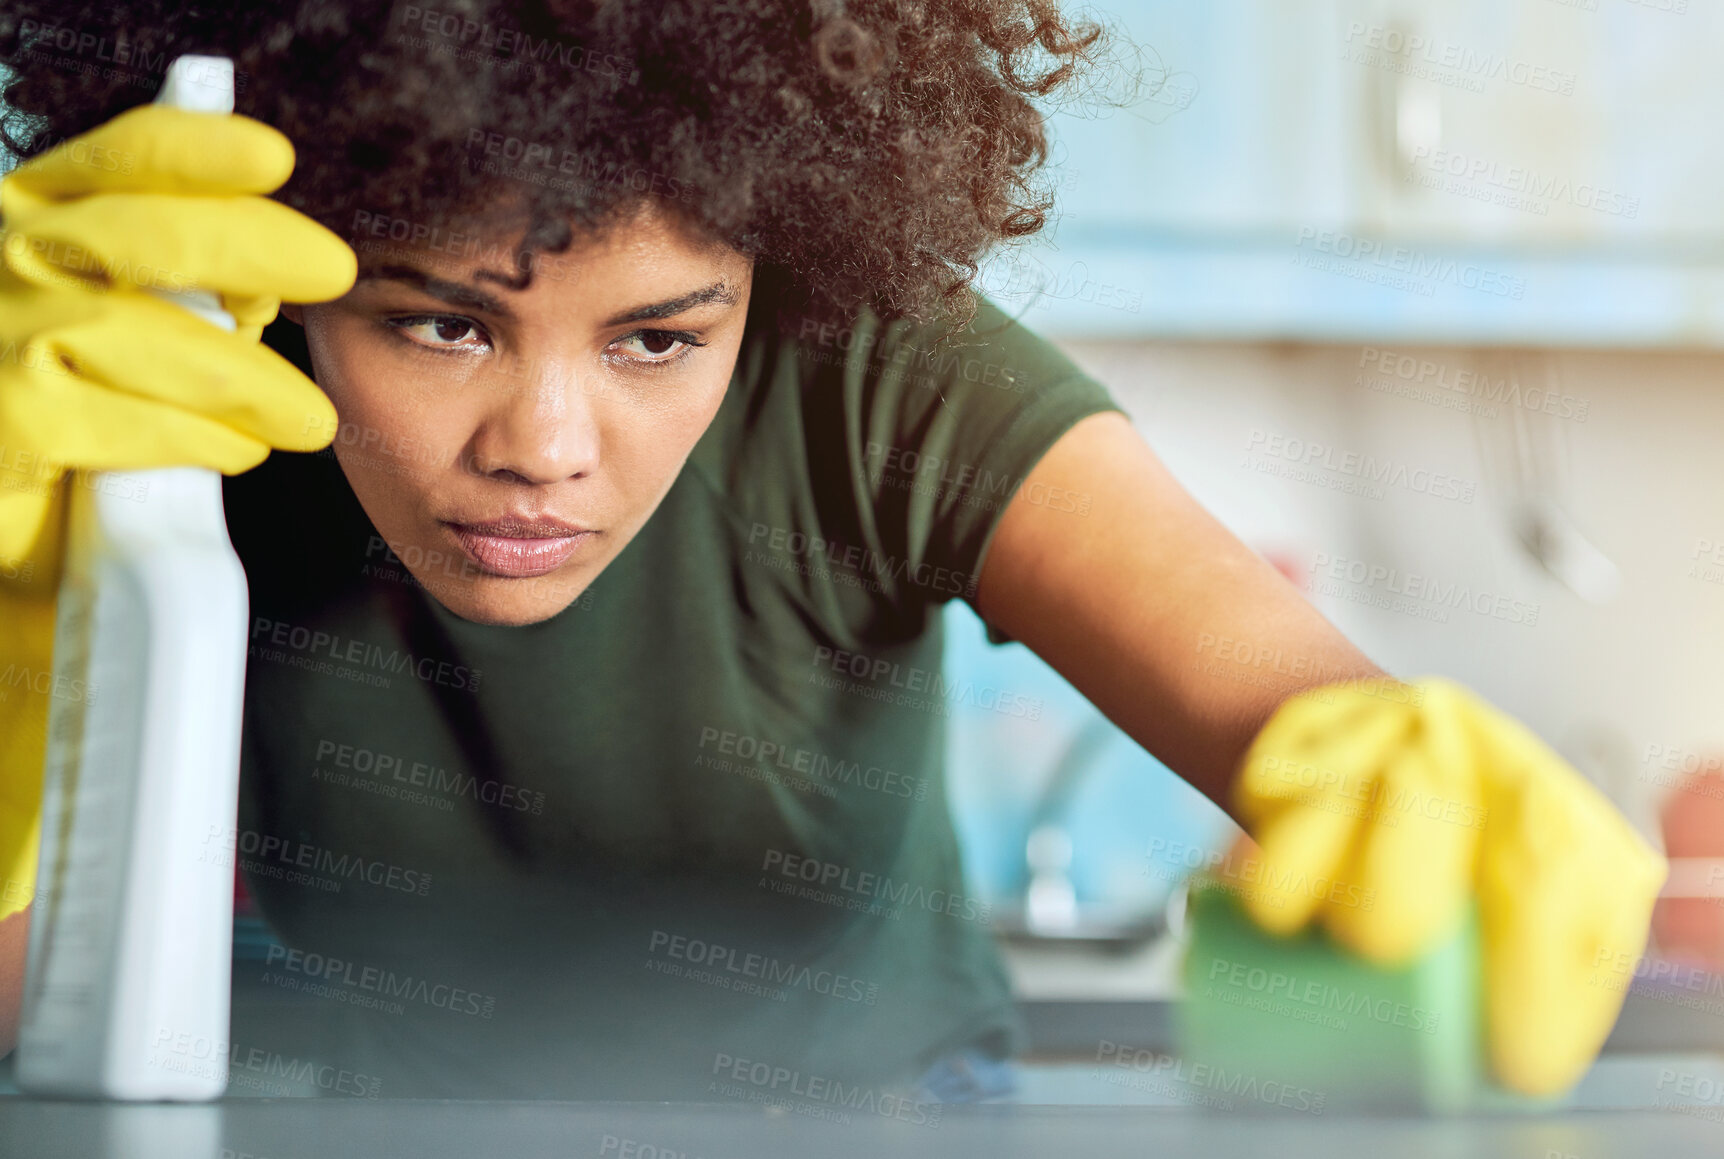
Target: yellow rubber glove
96,372
1380,807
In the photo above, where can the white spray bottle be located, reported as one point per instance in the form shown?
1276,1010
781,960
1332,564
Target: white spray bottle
126,991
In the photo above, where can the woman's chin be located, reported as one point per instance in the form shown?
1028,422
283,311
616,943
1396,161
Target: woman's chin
507,603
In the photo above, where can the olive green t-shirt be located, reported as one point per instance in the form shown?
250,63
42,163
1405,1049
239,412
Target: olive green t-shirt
696,817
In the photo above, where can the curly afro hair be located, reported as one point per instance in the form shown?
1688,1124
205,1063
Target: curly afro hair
865,153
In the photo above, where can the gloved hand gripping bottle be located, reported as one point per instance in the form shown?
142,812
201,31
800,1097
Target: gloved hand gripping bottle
126,990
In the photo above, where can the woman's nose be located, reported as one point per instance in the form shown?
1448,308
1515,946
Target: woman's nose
543,425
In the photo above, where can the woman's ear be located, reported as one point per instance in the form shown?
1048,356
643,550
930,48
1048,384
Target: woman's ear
291,311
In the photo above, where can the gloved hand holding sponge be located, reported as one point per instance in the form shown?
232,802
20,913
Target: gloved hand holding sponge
1428,802
98,373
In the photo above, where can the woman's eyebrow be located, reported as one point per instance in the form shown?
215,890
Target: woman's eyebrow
462,294
722,293
455,293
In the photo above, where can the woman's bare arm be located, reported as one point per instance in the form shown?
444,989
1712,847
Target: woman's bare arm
14,940
1178,632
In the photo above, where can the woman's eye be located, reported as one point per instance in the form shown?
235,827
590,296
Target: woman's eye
441,332
655,345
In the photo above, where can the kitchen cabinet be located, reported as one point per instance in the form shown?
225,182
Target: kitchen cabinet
1459,171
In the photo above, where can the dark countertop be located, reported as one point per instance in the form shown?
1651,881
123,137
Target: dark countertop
1064,1109
378,1129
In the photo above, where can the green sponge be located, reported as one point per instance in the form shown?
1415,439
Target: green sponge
1263,1011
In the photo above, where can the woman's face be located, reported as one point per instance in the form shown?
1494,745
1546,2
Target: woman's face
508,444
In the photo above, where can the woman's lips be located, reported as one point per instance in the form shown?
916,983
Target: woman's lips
517,555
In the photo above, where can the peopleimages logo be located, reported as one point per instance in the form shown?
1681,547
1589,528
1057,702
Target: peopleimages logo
904,684
536,162
715,956
974,486
1253,876
377,766
1684,763
772,1083
487,43
1446,61
1358,254
1516,186
122,49
44,682
1409,589
1365,468
1299,780
1312,673
876,888
1204,1077
257,849
327,971
1471,384
862,561
814,765
215,1057
312,644
1312,995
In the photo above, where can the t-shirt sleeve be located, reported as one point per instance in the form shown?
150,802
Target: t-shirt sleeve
942,434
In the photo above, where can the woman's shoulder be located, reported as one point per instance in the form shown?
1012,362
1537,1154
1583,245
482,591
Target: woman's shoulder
985,369
903,438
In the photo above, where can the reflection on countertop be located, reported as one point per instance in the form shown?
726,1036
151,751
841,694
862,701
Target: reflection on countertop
433,1129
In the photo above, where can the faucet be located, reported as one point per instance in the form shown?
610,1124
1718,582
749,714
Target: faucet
1050,910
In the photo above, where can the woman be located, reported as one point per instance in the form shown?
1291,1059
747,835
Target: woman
593,707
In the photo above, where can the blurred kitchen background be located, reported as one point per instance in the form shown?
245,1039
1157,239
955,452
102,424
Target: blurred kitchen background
1474,239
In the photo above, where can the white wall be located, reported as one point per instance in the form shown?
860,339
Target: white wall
1641,475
